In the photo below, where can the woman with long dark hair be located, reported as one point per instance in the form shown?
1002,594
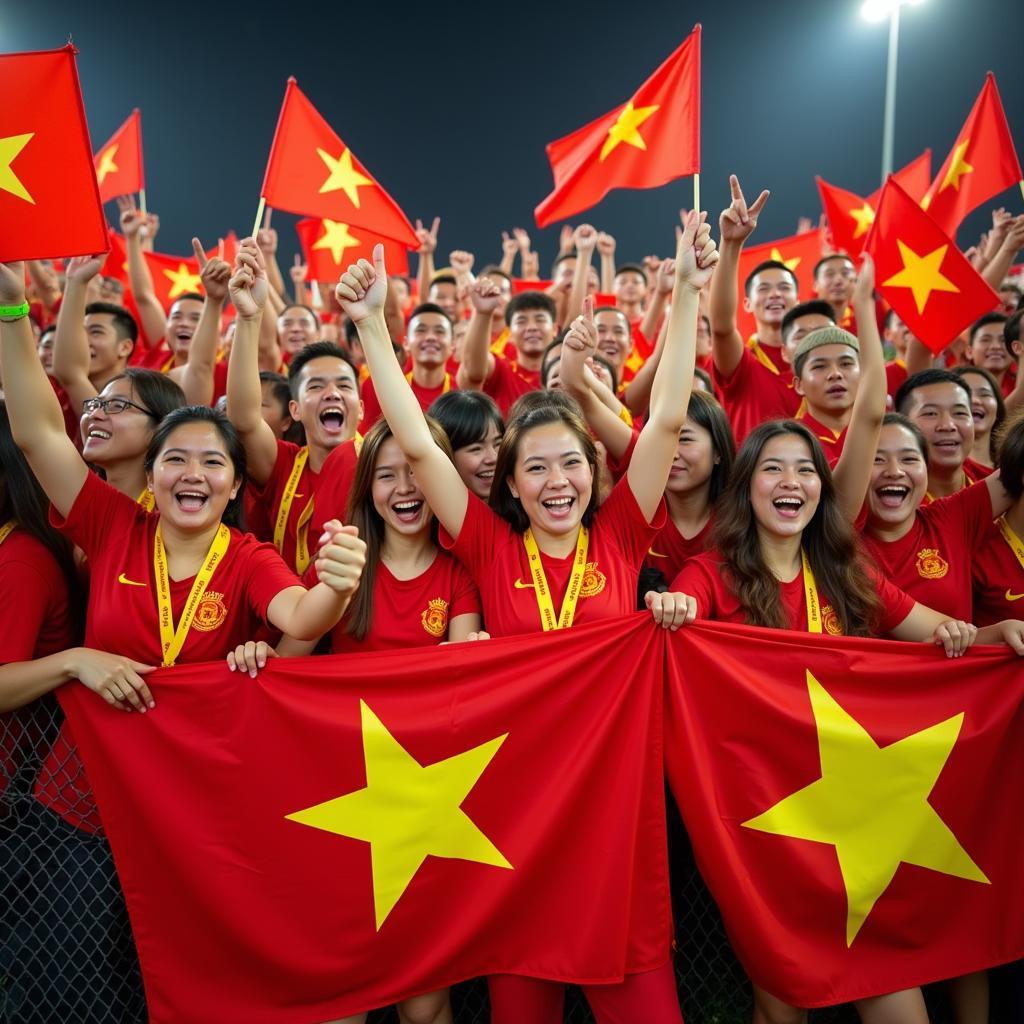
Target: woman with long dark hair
473,423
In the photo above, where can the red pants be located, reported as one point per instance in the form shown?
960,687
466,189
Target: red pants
649,997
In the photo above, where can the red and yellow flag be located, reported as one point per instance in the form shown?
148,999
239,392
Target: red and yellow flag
982,163
119,162
650,140
921,273
49,203
914,179
313,173
849,217
329,246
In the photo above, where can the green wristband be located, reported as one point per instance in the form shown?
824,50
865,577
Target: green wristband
13,312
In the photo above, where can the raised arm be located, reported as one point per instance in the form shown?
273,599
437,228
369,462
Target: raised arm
606,252
248,288
509,249
152,316
70,342
585,239
663,281
737,224
853,470
477,359
266,239
196,376
428,244
649,468
36,420
361,293
1003,259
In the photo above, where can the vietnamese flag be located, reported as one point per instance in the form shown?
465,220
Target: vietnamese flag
173,276
328,247
982,163
49,203
119,162
854,805
311,172
849,217
914,179
921,273
650,140
347,831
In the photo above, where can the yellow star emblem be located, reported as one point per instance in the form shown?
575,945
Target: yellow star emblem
871,804
107,165
779,258
343,176
864,217
407,811
9,181
921,274
336,238
625,129
182,281
958,167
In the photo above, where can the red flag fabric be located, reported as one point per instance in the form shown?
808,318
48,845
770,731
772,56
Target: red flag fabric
849,217
921,273
173,276
853,805
354,830
119,161
649,141
981,164
914,179
329,246
313,173
49,203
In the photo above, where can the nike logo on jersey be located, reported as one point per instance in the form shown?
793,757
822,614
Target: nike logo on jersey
655,554
127,582
520,585
1012,597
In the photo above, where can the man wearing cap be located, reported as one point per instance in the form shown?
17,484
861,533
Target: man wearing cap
826,368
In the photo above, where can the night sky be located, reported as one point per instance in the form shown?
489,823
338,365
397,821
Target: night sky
451,105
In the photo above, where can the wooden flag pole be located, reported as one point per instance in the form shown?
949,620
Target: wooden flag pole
142,201
696,192
1021,187
259,216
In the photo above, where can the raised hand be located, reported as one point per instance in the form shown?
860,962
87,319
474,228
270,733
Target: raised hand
266,239
665,276
427,236
342,554
582,333
696,253
364,287
485,295
248,284
522,239
132,219
509,246
150,228
461,262
82,269
565,241
738,220
605,244
12,283
585,238
298,270
215,274
864,289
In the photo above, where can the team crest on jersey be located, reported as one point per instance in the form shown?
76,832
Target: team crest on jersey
593,581
435,617
931,565
830,621
210,612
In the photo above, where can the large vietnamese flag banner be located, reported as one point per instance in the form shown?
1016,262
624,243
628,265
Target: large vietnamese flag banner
854,805
346,831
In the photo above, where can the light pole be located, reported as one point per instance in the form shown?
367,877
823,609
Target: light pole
879,10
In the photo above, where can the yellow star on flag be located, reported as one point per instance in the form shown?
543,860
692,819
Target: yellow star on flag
958,167
779,258
336,238
625,129
9,181
871,804
182,281
921,274
343,176
407,811
864,217
107,165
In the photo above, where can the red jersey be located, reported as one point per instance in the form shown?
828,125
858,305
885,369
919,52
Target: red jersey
412,613
117,536
701,578
509,382
831,442
998,577
495,556
753,393
425,396
671,549
161,358
974,472
72,417
895,375
932,562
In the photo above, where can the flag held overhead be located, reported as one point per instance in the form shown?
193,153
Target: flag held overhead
118,161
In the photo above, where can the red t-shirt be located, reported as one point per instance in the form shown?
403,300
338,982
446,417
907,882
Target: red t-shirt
895,375
753,394
425,396
932,562
701,578
117,537
671,549
412,613
161,358
831,442
998,579
72,418
496,558
509,382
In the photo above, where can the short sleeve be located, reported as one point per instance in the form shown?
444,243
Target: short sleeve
465,598
26,597
483,530
100,516
897,604
695,578
266,574
623,524
966,515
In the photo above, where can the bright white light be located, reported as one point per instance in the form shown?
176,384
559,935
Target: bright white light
879,10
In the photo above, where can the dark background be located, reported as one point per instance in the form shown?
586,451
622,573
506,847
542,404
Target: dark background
451,105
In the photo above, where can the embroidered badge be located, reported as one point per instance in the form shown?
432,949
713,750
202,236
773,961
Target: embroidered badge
435,617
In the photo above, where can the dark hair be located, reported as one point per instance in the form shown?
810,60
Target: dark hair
155,390
1011,329
631,268
531,300
282,394
194,296
466,416
706,378
997,423
614,309
442,278
1011,456
768,265
493,270
317,350
232,444
922,379
549,357
122,321
612,372
814,306
301,305
429,307
561,258
896,419
537,409
705,411
48,329
828,540
362,514
827,259
984,321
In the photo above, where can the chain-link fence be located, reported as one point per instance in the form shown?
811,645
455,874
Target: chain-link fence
65,943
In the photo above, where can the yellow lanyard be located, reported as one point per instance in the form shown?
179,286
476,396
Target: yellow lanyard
168,366
811,596
1016,544
967,483
765,360
147,499
172,638
540,584
5,530
283,512
444,389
